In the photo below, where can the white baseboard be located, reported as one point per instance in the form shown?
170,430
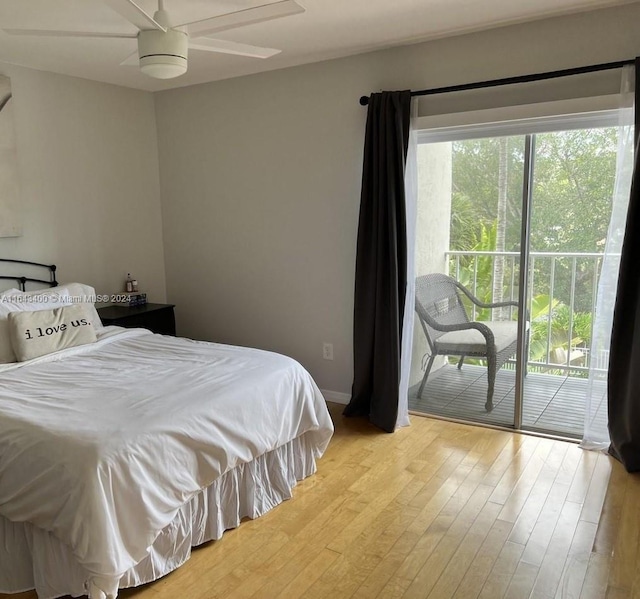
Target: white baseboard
336,396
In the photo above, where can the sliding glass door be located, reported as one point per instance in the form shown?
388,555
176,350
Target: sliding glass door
469,227
574,177
519,221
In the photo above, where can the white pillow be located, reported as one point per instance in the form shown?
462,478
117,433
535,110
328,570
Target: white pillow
19,302
41,332
9,292
85,295
15,300
62,295
6,350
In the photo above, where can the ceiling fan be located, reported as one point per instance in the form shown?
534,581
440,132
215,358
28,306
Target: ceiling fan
162,46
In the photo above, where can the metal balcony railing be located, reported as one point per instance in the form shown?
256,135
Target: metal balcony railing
560,333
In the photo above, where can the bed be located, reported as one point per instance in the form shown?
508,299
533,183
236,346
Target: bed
120,455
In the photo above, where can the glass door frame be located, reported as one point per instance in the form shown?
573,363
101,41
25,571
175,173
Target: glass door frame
523,289
556,116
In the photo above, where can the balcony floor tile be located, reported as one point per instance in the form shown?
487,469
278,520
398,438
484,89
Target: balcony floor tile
552,403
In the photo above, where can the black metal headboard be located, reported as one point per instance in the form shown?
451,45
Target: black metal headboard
22,280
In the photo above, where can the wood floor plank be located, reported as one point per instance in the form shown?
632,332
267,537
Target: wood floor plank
617,593
542,533
512,473
575,567
531,509
526,483
307,576
596,578
456,568
428,575
597,491
582,478
476,575
246,580
552,566
393,546
501,574
625,566
609,521
518,448
522,581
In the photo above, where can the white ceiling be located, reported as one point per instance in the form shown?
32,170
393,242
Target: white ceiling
328,29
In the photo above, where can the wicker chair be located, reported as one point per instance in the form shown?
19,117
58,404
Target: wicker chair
449,331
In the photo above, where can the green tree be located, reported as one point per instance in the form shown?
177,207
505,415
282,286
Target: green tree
501,224
475,173
574,177
573,186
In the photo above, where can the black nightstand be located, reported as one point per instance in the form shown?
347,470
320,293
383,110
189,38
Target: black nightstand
158,318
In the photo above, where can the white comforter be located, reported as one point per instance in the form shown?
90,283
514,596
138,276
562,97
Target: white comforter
100,445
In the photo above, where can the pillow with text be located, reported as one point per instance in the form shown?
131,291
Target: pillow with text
42,332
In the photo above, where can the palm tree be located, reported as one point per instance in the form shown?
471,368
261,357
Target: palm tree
498,263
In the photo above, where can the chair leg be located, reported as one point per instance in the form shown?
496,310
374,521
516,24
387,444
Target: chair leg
461,362
491,376
426,375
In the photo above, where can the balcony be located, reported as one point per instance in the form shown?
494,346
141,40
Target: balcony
553,402
563,290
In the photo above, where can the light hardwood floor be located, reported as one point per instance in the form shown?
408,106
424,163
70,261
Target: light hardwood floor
436,510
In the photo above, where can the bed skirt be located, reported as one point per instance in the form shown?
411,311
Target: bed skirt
31,558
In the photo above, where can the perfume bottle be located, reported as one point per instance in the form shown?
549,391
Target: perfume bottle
128,285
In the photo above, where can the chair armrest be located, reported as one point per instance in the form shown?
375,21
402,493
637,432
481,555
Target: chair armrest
480,304
496,304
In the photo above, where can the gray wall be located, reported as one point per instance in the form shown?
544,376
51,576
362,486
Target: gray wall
88,169
260,176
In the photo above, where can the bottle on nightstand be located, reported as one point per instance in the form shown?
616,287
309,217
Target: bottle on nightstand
132,296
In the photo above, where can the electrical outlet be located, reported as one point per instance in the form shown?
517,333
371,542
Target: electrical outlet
327,351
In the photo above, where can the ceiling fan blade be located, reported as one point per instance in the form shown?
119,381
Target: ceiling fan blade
226,47
133,60
46,32
240,18
134,14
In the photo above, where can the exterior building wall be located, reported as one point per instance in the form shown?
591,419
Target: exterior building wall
432,233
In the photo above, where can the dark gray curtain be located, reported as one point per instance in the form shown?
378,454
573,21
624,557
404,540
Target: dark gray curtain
381,262
624,358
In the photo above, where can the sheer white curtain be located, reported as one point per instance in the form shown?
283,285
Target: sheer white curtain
411,200
596,433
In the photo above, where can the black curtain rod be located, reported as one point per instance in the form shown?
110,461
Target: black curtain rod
606,66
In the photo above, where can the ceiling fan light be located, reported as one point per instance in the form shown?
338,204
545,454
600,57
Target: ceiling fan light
163,55
163,67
